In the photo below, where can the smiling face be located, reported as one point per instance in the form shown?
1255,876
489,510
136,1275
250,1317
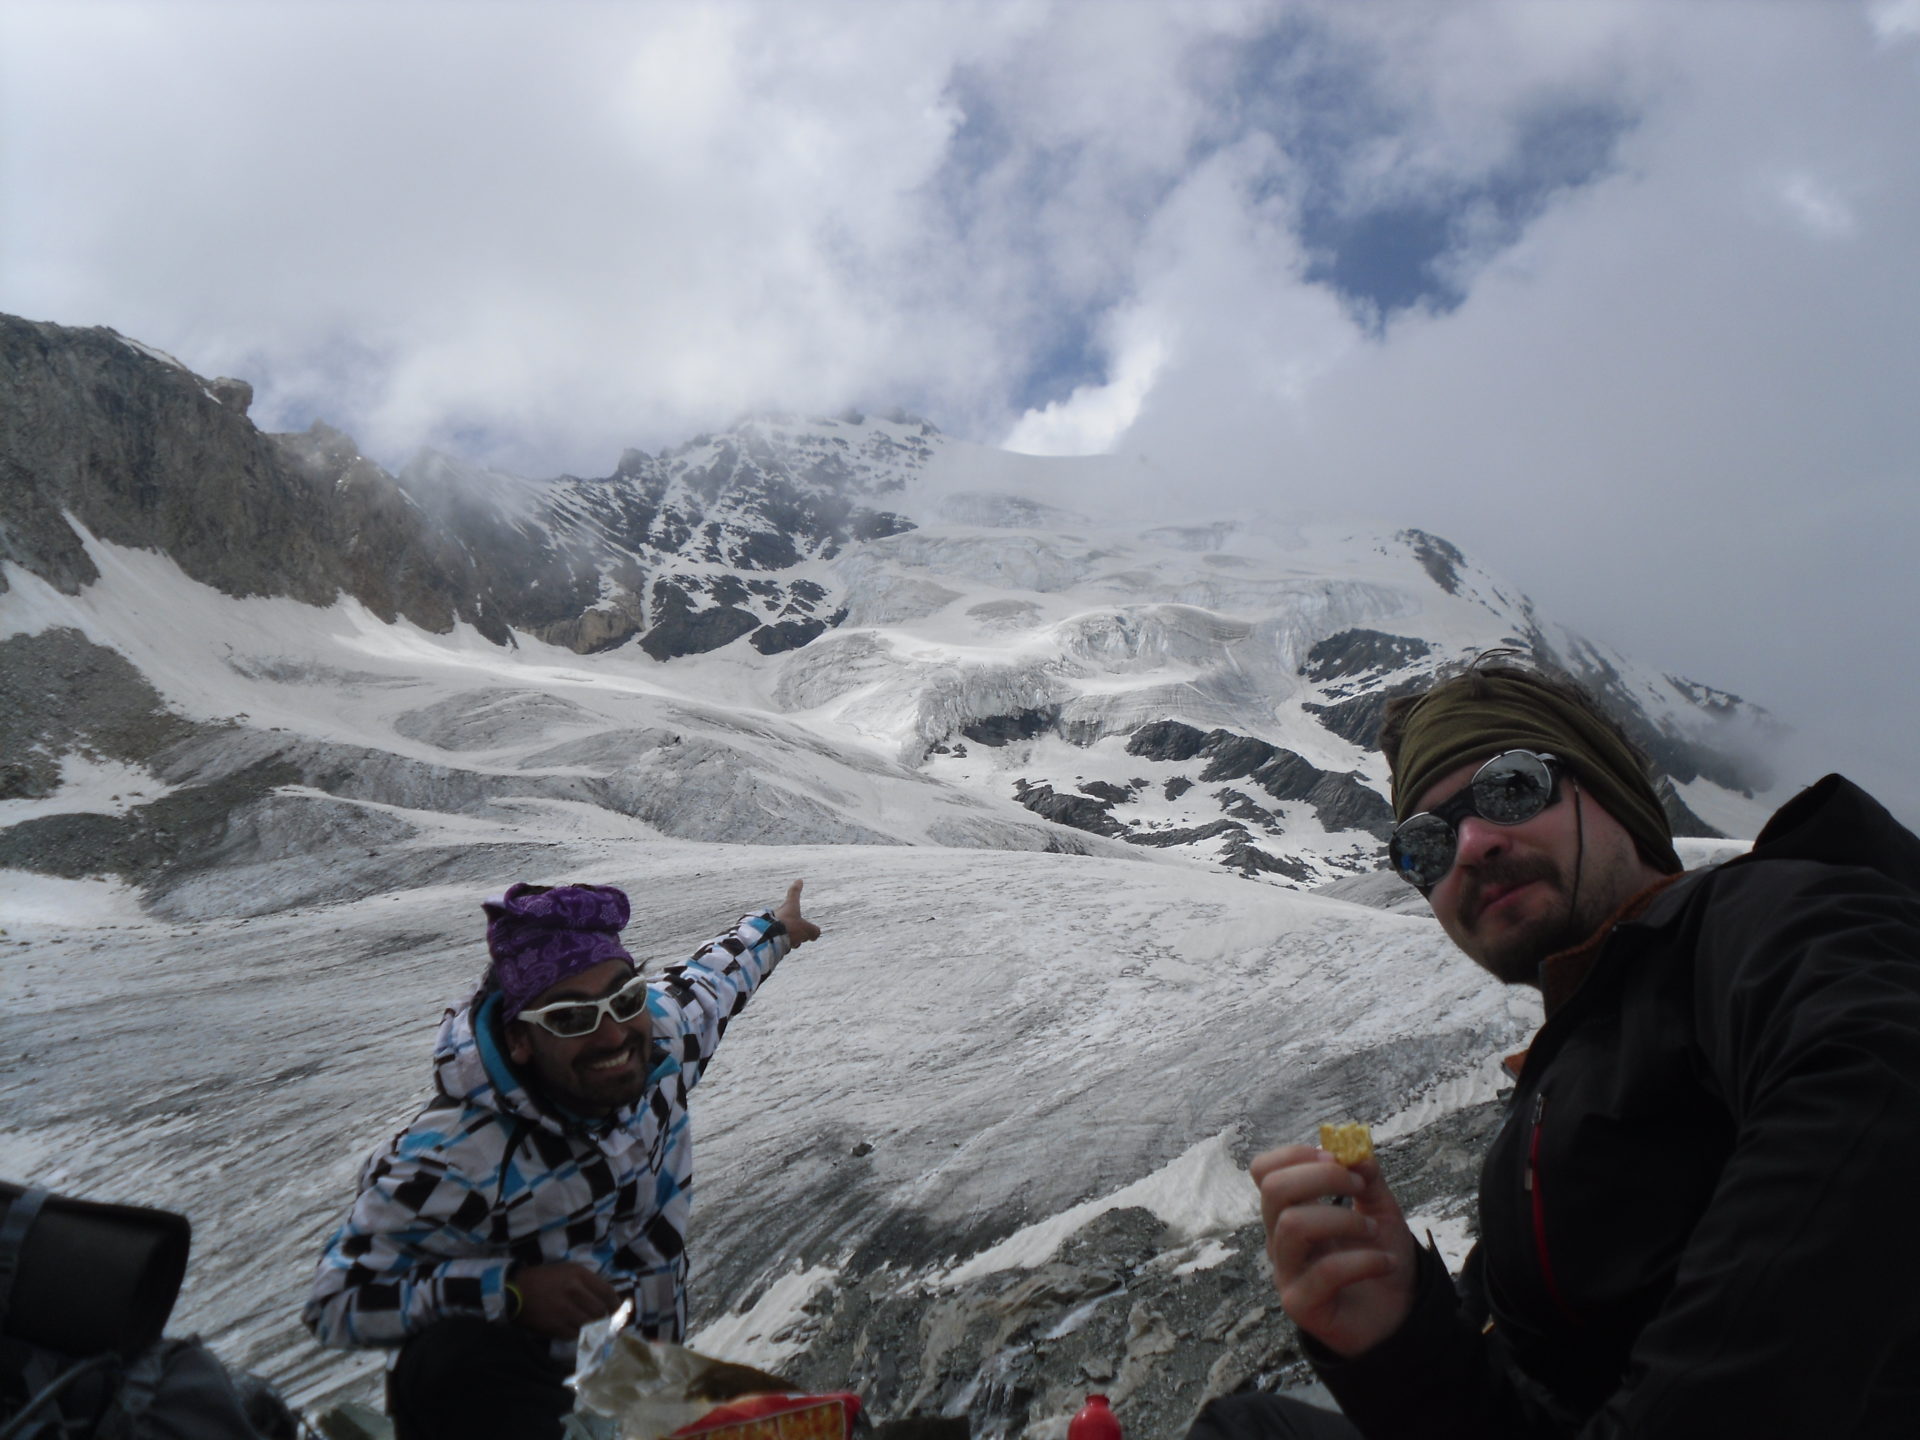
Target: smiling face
1518,893
593,1074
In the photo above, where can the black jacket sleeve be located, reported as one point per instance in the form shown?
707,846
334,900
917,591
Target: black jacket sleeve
1440,1376
1792,1313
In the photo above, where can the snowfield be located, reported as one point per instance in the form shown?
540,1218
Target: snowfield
981,1146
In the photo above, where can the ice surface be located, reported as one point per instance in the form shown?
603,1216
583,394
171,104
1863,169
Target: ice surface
1012,1035
1200,1193
772,1329
49,904
1476,1086
1695,853
1726,811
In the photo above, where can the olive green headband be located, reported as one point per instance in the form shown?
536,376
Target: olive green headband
1477,715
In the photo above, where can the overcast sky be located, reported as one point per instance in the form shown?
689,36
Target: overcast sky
1621,298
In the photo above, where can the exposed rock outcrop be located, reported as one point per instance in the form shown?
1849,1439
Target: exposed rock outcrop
142,452
1342,802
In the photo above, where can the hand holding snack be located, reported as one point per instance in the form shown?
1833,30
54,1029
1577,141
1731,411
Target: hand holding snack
1345,1275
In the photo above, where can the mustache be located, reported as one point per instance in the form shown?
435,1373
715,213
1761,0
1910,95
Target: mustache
1505,872
587,1057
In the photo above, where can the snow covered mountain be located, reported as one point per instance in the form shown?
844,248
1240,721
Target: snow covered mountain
272,720
1209,690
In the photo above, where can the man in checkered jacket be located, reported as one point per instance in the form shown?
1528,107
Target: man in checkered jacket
545,1185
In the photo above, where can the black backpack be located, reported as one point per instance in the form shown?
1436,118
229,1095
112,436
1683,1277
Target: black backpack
85,1291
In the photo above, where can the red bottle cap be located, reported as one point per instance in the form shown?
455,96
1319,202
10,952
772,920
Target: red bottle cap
1094,1422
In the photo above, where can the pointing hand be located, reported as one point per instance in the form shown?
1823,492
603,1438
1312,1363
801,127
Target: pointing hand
787,912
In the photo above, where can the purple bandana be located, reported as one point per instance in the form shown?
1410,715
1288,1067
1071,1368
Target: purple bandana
538,936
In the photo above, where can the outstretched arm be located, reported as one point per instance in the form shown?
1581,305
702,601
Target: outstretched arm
693,1002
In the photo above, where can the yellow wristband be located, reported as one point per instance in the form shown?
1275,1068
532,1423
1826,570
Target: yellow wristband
516,1302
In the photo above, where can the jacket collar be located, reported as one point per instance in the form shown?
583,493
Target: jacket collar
1561,973
1834,821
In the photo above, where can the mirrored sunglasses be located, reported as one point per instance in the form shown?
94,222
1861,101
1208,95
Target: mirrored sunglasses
1510,789
570,1019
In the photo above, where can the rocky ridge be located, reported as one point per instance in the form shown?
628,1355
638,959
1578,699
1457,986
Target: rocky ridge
684,551
1127,1307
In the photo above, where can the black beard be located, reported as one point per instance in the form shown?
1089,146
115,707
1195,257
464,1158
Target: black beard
1518,963
1508,872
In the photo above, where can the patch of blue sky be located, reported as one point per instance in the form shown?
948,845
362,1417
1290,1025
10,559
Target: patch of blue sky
1397,241
1069,356
1387,241
1420,252
1004,194
979,147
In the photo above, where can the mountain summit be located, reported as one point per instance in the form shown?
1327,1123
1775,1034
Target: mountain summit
888,600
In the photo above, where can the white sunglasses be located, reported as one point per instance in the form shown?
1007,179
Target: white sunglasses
570,1019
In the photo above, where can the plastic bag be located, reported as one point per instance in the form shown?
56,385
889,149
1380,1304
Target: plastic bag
653,1389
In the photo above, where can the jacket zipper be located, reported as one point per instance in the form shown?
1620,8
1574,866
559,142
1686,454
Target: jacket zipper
1536,1195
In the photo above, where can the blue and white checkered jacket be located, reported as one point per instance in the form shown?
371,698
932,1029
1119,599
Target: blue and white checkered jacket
485,1177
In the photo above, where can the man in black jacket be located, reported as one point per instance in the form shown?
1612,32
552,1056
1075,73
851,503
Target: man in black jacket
1695,1220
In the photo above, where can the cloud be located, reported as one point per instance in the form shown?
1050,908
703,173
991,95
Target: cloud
1615,295
1894,21
1670,409
1815,206
577,225
1093,417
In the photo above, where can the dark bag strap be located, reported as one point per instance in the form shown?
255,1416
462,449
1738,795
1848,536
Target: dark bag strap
46,1391
136,1393
46,1382
13,1238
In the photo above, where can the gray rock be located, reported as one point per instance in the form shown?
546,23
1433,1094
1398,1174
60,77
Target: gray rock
63,693
1363,653
144,453
236,395
1079,811
1006,729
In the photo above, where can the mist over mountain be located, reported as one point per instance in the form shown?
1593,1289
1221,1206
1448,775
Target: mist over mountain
1092,811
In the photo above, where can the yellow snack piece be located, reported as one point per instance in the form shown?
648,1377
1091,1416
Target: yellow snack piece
1349,1144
